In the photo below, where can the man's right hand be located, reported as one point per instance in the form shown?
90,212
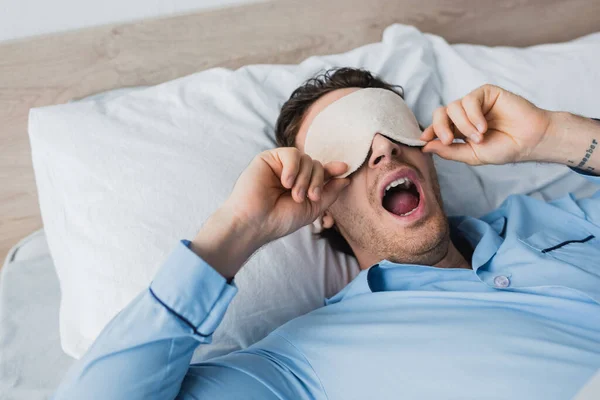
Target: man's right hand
498,127
281,191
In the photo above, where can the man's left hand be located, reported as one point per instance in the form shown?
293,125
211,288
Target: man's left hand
497,127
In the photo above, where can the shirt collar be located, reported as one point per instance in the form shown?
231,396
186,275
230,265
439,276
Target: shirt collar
484,237
359,285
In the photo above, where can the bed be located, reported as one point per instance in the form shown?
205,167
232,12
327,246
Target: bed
61,67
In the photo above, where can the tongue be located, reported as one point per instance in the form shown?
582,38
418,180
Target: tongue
401,202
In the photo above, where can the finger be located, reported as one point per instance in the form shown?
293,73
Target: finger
289,158
302,179
472,106
331,191
486,96
441,126
334,168
316,181
428,134
459,118
462,152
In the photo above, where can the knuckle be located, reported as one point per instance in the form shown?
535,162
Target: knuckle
439,111
306,159
438,127
290,151
468,100
265,153
488,88
454,106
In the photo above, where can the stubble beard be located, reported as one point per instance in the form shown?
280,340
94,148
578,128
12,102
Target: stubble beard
425,243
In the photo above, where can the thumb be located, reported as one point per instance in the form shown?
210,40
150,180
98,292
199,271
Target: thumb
331,191
462,152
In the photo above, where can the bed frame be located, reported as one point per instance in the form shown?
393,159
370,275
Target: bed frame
56,68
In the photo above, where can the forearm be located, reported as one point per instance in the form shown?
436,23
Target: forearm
572,140
129,362
225,243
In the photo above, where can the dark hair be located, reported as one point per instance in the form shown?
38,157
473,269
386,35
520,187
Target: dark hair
293,112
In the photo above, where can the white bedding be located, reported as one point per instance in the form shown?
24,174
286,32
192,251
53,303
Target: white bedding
31,362
121,179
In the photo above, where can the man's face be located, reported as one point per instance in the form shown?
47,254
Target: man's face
366,215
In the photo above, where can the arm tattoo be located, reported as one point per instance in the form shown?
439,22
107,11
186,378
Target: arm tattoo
586,157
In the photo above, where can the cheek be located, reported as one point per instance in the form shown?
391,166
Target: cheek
425,165
423,160
341,204
354,200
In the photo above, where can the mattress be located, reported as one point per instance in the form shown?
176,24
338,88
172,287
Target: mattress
32,362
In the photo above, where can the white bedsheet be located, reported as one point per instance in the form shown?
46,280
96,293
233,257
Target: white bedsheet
32,362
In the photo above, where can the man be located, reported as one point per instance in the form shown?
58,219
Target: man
506,306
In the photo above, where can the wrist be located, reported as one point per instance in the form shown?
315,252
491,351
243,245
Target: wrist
552,147
225,243
571,140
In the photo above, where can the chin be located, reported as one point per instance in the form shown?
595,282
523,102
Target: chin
424,246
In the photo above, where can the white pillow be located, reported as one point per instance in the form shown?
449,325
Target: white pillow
122,178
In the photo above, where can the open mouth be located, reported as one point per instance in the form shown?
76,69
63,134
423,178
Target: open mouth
401,197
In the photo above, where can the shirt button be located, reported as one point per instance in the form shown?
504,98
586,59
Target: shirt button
501,281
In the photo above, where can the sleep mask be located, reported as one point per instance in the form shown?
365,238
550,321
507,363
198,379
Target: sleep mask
345,129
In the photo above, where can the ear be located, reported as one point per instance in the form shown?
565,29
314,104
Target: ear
327,219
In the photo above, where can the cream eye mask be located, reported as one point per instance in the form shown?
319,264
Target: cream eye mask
344,130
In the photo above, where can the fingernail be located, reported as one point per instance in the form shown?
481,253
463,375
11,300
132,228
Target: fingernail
317,191
475,138
480,128
301,193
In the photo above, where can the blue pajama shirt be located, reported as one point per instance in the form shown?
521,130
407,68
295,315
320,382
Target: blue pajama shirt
524,323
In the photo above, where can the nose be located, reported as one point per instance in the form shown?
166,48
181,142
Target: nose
382,151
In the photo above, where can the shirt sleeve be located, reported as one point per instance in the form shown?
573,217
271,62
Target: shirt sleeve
145,351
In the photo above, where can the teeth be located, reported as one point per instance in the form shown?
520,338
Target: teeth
404,182
410,212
